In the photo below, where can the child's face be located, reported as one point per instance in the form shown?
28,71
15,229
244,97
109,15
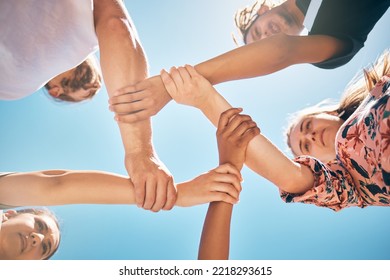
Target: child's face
28,236
316,136
270,22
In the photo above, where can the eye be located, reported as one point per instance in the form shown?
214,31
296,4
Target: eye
39,224
308,125
306,146
44,248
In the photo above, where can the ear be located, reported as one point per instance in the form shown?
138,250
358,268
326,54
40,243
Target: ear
9,214
263,9
333,113
55,91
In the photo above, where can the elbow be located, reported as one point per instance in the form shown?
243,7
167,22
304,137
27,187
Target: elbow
299,181
285,49
119,28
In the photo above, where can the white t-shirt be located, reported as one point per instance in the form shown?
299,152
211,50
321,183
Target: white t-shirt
40,39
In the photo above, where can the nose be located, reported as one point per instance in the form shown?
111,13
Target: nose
311,136
36,238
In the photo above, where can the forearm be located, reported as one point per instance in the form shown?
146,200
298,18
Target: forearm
262,156
268,56
123,63
215,239
61,187
259,58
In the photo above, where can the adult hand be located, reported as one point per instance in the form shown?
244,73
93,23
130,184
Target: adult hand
234,132
219,184
153,184
140,101
186,86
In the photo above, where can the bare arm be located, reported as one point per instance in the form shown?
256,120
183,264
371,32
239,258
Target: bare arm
124,63
256,59
261,155
269,55
233,135
60,187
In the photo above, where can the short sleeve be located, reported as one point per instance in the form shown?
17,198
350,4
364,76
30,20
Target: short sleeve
333,186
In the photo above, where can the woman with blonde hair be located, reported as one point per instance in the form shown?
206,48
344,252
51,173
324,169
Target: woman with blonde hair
340,164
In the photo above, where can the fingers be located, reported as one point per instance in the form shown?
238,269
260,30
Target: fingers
127,98
171,196
237,125
227,188
230,169
160,198
128,89
184,74
191,71
239,120
134,117
139,192
226,177
220,196
169,83
250,134
244,126
177,78
226,116
130,108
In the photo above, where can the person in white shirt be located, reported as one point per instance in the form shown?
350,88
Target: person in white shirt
40,39
51,44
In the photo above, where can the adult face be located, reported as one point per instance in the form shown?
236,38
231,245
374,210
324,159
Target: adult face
77,84
270,22
28,236
315,136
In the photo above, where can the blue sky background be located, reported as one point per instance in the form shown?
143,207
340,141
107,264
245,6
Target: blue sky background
38,134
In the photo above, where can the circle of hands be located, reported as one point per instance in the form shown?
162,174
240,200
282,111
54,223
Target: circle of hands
155,189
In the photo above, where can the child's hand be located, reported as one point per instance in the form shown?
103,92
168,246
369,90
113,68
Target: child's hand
219,184
186,86
234,133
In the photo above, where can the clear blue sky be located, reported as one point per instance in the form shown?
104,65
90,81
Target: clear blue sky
38,134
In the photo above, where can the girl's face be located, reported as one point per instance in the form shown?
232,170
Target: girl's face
28,236
315,136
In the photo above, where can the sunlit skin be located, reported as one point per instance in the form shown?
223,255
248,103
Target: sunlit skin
315,136
27,236
271,22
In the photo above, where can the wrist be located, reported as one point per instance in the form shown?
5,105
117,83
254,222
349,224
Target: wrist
179,198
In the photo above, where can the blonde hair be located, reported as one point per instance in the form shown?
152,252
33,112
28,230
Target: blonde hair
244,17
354,94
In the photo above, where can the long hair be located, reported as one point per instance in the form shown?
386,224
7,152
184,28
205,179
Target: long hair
354,94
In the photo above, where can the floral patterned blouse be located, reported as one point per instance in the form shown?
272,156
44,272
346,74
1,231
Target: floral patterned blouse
360,175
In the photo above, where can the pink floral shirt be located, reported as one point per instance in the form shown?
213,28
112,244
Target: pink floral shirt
360,175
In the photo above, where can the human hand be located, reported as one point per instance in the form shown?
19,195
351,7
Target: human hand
153,184
234,132
186,86
220,184
140,101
